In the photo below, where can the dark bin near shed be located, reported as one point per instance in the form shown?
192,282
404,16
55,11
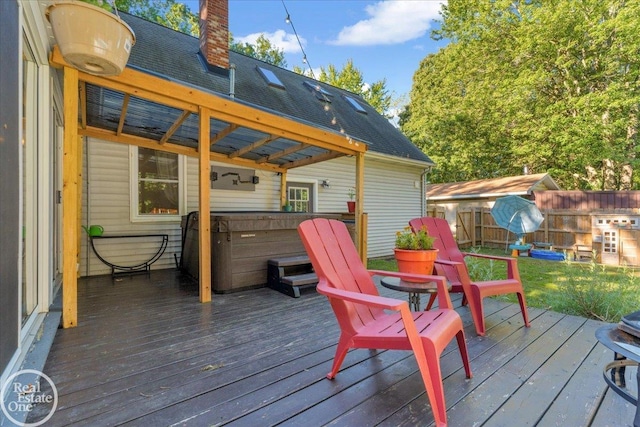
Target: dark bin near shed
241,245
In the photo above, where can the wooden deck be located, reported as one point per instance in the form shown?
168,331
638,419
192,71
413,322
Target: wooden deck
147,353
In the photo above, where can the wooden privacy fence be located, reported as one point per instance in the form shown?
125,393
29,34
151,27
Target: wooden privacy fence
613,234
562,228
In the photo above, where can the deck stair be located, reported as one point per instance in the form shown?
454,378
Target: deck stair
289,274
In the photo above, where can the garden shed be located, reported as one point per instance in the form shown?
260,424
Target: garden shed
453,198
608,222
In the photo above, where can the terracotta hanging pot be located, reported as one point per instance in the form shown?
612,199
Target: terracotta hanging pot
90,38
416,261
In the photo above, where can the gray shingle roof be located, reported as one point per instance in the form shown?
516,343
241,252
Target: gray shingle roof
173,55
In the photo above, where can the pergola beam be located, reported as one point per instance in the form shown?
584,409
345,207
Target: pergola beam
226,131
174,127
123,113
139,141
252,146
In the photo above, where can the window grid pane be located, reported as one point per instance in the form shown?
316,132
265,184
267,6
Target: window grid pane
158,183
299,199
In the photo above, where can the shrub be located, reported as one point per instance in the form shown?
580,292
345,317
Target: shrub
596,292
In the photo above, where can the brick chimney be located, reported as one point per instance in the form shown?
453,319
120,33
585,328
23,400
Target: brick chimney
214,33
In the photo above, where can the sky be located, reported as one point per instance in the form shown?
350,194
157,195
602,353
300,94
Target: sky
385,39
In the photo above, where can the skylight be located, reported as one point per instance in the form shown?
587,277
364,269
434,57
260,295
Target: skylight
270,77
318,91
355,104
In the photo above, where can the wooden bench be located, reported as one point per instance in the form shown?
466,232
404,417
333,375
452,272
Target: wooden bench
543,245
582,251
289,274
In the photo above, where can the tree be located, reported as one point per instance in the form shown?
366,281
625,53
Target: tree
168,13
350,78
551,85
262,50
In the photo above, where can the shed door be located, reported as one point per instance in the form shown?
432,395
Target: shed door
610,246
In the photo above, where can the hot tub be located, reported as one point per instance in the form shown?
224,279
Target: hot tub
241,245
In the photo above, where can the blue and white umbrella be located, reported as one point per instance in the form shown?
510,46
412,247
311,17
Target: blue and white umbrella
517,215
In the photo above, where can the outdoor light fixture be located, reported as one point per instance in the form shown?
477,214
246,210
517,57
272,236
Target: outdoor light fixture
325,183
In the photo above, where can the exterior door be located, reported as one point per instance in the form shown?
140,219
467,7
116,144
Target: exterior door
610,246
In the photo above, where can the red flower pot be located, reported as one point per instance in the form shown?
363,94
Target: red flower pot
416,262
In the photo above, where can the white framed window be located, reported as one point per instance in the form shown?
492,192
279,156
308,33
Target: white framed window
301,195
158,181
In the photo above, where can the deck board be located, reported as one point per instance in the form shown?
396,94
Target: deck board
146,352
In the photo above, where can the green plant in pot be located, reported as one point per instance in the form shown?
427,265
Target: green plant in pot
351,204
414,251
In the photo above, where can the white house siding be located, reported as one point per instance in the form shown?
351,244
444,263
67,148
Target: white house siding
107,203
392,197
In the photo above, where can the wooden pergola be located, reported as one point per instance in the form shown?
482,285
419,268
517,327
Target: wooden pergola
269,142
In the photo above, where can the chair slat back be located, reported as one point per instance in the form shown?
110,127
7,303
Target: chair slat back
445,243
336,261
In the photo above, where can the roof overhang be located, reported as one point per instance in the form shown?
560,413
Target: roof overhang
142,109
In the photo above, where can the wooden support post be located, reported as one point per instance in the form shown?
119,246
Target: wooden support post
362,250
204,210
70,176
363,238
283,189
79,224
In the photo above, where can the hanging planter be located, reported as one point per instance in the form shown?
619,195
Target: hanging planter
90,38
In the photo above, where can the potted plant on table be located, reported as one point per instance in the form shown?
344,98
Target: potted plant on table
414,251
90,37
351,204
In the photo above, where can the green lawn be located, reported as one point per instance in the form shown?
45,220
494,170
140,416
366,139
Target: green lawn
581,288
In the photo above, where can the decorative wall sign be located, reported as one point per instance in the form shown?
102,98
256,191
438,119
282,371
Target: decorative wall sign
233,179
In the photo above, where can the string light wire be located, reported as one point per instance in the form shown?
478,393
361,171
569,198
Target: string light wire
327,108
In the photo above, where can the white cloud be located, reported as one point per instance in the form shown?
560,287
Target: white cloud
279,39
391,22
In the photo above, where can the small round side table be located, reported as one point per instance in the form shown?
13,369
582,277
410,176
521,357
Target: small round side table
413,288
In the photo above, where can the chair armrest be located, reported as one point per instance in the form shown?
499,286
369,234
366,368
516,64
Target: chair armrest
444,300
512,263
359,298
447,262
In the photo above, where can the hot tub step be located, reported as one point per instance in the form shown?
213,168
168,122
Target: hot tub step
289,274
300,279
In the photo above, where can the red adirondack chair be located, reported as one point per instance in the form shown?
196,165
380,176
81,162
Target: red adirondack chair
451,264
360,310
